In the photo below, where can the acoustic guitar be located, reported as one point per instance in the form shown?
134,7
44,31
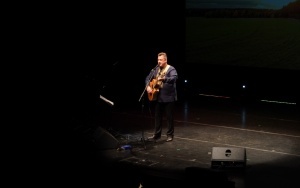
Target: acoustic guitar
155,85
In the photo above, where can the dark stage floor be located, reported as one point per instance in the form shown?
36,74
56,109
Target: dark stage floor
111,147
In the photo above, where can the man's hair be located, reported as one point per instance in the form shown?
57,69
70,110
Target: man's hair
162,54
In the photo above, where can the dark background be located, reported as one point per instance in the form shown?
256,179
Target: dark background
110,48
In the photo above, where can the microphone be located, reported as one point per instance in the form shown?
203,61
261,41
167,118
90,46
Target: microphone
155,67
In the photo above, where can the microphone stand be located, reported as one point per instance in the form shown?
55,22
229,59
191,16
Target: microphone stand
148,81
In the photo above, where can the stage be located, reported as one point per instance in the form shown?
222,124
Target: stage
262,138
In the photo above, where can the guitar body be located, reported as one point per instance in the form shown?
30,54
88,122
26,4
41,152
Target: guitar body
155,85
152,96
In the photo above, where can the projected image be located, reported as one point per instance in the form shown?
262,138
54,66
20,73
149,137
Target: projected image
264,34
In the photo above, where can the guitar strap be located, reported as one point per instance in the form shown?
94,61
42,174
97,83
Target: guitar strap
161,72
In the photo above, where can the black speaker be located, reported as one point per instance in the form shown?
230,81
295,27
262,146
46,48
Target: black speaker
102,139
228,157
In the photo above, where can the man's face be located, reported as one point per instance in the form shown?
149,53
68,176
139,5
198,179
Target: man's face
162,62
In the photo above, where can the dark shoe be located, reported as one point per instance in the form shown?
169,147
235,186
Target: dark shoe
169,139
153,137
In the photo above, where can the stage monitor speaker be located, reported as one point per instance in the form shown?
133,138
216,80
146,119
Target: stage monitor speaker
104,140
228,157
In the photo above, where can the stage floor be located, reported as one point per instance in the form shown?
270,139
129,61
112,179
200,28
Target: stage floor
112,146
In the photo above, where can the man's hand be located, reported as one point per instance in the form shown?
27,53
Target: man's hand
161,78
149,89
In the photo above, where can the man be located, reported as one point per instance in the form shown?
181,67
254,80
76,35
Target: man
162,90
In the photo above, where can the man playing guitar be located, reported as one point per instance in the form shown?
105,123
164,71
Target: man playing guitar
162,90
